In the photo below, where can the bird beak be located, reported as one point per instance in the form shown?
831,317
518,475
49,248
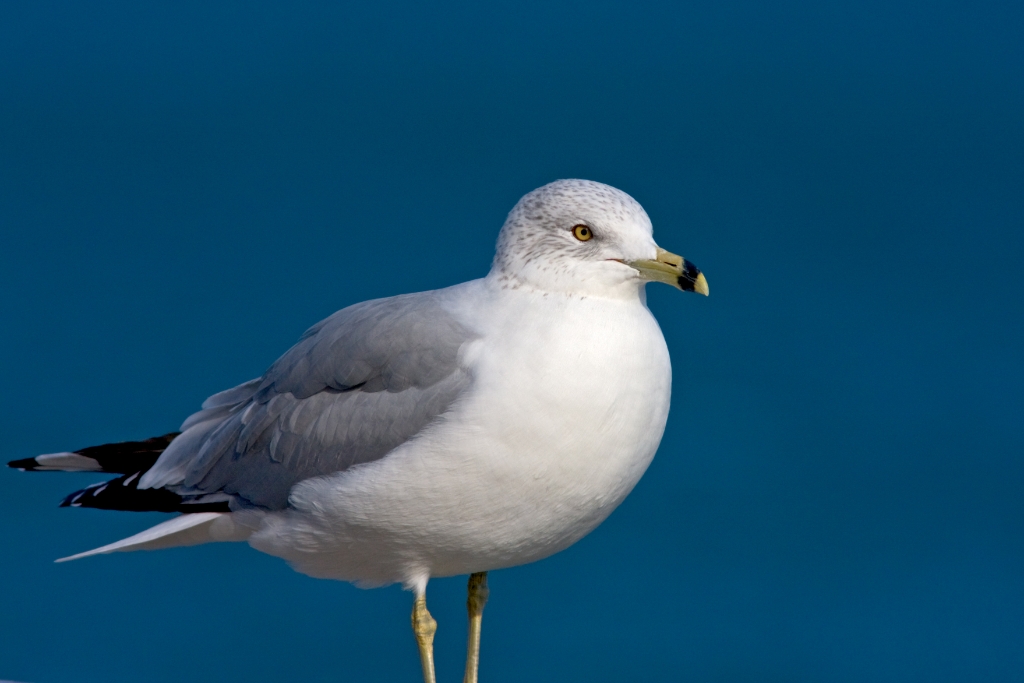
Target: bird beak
673,270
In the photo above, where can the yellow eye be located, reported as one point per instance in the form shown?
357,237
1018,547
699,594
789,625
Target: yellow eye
582,233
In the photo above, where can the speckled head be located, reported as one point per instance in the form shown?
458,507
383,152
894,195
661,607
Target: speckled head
584,238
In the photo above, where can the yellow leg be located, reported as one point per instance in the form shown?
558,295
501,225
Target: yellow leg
424,626
478,593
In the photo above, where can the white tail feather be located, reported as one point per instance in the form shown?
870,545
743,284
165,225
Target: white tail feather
189,529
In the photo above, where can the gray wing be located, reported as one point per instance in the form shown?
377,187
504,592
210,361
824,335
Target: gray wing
355,386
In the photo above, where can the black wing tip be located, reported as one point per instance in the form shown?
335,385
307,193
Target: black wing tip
123,493
25,464
125,457
131,459
122,457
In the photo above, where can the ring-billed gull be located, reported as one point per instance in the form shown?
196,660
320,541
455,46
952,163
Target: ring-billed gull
482,426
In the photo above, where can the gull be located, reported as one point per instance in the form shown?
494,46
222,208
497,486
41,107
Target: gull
442,433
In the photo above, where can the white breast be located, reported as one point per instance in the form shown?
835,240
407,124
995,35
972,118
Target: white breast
568,406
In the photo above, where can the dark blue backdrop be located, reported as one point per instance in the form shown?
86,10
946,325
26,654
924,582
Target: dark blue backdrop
185,187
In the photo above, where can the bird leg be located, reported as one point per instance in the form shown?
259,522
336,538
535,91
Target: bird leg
424,627
478,593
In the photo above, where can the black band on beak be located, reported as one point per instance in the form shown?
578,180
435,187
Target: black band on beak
688,277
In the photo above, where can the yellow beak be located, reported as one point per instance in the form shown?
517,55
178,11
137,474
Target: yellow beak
673,270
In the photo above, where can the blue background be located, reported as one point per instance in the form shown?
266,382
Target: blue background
186,186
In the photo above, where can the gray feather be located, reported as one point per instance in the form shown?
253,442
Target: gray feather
354,387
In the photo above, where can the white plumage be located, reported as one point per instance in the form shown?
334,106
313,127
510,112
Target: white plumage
481,426
567,406
472,428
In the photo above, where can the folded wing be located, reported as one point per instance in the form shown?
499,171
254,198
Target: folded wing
355,386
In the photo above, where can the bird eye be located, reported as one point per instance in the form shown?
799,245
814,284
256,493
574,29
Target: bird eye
582,233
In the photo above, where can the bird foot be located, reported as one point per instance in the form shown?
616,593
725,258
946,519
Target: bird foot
424,627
